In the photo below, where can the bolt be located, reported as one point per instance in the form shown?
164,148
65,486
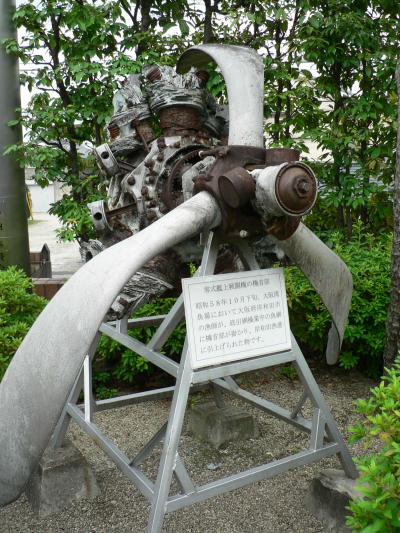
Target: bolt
243,233
151,215
131,180
149,163
161,143
301,186
145,191
160,156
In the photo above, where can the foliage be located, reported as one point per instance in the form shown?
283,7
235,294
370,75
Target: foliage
19,308
368,259
328,78
126,365
353,50
288,372
379,481
78,52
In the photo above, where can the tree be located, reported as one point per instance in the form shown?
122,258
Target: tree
79,51
352,47
342,99
393,320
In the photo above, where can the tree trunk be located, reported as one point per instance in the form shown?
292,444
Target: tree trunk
393,318
145,6
208,36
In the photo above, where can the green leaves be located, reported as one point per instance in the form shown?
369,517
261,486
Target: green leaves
126,365
379,481
368,259
19,308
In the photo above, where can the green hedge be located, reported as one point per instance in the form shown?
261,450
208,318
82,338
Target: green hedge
115,362
379,483
368,258
19,307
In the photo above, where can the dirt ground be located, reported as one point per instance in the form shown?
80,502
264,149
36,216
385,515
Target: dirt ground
271,506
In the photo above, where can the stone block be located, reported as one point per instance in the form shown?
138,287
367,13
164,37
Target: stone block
329,495
219,425
63,476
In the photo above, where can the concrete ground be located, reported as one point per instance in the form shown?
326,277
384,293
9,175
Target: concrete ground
271,506
65,257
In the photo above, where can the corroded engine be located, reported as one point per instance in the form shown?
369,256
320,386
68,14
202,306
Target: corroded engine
163,135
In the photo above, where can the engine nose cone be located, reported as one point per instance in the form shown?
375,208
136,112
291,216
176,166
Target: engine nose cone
296,188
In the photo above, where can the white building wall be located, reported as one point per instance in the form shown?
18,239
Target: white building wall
42,198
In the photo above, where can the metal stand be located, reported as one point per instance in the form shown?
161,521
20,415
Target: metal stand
325,438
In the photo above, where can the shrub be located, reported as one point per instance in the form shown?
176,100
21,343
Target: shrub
379,481
368,258
19,307
127,365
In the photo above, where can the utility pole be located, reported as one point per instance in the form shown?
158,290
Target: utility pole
14,243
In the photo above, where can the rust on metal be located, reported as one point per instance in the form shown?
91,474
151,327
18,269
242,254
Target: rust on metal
236,187
277,156
113,131
203,76
283,227
229,158
154,74
179,120
296,188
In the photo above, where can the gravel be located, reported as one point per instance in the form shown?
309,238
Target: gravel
271,506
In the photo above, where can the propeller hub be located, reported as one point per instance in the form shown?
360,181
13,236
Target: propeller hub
296,189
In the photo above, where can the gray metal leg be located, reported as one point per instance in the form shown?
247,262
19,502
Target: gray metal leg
183,477
57,439
61,429
318,430
318,400
175,315
149,447
246,254
89,403
299,406
218,396
171,442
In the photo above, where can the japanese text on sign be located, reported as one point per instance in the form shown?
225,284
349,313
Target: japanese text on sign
231,317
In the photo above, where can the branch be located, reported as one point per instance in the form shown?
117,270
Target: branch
55,144
295,21
133,16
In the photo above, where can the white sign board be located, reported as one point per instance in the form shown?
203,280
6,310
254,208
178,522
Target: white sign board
230,317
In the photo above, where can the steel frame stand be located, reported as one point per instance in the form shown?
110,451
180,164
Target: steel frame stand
325,438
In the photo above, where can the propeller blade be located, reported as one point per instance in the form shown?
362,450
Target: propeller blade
329,276
42,372
243,71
